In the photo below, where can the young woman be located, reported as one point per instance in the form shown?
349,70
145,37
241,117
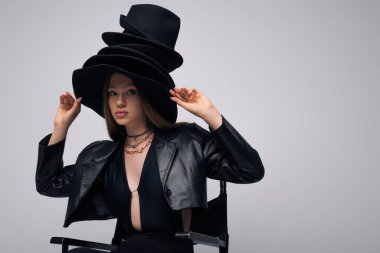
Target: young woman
132,172
153,172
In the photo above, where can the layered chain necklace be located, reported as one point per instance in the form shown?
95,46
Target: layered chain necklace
128,146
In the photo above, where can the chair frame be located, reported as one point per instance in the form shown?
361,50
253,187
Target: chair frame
219,237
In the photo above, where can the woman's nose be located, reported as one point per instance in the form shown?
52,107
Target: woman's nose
121,101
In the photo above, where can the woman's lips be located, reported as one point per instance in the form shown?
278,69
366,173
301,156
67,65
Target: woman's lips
121,114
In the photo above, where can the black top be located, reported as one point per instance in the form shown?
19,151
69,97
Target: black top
155,213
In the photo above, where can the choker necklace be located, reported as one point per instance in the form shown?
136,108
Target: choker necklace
139,134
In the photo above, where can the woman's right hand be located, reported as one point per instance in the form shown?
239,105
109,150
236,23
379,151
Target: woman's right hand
68,109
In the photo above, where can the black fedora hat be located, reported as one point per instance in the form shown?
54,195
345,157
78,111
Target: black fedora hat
88,83
153,25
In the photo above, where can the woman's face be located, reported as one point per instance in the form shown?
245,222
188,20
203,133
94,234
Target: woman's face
123,97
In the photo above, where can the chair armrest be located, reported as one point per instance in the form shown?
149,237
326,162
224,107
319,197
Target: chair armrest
75,242
201,238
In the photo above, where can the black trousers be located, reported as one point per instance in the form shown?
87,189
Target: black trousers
144,243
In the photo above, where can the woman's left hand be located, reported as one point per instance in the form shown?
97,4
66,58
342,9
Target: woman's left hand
192,100
198,104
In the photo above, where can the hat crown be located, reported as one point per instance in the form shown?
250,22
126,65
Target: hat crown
154,22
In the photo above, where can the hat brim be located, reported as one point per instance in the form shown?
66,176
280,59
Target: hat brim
157,54
119,50
88,83
132,64
114,38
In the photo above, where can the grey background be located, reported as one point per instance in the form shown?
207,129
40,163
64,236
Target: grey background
298,79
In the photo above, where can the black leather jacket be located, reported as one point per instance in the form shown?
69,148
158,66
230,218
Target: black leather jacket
185,156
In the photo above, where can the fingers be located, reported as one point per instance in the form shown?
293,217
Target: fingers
194,91
183,93
67,99
64,99
178,100
70,99
175,94
188,92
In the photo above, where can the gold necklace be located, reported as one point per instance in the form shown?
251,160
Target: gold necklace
139,142
137,151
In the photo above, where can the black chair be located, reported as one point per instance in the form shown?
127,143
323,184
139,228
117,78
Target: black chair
208,227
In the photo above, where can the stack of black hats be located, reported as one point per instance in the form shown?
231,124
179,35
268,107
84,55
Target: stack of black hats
144,52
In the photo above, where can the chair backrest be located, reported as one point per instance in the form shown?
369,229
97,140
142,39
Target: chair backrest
211,221
119,233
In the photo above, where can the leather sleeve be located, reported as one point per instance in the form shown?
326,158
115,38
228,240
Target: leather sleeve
228,156
53,179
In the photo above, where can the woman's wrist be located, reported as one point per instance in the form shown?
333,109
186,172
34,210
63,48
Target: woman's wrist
213,118
59,134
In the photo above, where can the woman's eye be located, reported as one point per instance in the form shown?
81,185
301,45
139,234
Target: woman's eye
111,93
132,92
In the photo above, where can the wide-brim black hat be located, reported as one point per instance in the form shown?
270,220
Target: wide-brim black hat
88,83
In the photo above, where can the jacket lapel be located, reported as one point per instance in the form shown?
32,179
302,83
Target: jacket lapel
88,173
165,151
